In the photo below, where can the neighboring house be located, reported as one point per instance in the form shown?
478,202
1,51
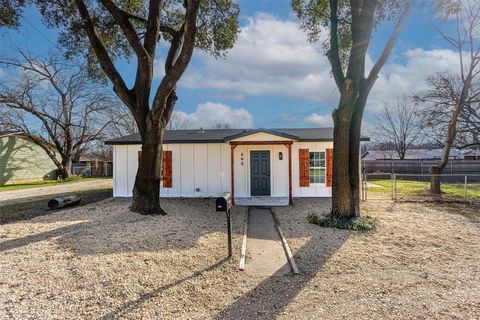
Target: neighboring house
273,163
23,161
419,161
93,166
472,155
411,154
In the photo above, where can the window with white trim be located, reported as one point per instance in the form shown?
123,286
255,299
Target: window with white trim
317,167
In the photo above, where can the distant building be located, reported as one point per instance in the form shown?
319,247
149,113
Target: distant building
412,154
472,155
93,166
419,161
23,161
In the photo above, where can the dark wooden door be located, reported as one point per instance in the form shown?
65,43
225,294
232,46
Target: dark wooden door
260,173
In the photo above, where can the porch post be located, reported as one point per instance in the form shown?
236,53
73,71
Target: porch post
232,168
289,147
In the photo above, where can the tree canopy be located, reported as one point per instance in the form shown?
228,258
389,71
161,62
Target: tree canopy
315,18
217,25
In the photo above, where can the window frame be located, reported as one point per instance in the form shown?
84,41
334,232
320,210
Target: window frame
324,167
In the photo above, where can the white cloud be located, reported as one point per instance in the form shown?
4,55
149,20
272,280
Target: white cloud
409,76
158,68
273,57
210,115
319,120
270,57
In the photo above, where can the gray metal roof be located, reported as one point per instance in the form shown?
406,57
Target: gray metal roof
225,135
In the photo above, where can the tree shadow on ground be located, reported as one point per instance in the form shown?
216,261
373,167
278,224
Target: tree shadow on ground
110,227
273,295
134,304
37,206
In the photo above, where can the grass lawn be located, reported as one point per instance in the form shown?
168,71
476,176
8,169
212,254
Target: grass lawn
38,207
44,183
421,188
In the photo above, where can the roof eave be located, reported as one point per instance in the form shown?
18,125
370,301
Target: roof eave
267,131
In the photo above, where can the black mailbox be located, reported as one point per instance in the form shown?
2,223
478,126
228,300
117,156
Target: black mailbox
224,203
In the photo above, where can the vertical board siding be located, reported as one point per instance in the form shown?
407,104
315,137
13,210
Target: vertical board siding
200,170
214,169
207,166
121,172
280,172
242,166
132,165
187,179
225,168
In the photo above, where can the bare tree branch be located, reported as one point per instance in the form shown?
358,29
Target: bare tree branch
56,105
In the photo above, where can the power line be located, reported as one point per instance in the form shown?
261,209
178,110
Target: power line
40,32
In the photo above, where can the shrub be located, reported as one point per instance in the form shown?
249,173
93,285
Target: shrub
364,223
72,178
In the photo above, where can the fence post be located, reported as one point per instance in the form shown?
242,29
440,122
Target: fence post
465,190
365,189
394,187
363,186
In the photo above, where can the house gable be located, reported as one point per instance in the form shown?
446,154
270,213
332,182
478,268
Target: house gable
262,135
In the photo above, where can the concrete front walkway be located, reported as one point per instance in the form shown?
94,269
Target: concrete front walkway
265,253
262,201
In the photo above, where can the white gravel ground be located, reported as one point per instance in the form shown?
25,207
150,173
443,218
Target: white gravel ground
101,261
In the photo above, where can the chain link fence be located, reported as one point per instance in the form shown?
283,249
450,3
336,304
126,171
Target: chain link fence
377,186
418,187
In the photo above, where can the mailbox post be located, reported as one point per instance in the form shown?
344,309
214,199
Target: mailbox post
224,204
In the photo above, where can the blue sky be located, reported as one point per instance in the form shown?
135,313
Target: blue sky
273,77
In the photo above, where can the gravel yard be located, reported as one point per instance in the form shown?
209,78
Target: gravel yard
101,261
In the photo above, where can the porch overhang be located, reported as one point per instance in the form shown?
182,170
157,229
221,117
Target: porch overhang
286,143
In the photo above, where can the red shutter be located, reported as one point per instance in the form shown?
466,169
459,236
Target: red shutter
304,161
167,169
329,165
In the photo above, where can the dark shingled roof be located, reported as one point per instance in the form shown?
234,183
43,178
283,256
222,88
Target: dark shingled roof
225,135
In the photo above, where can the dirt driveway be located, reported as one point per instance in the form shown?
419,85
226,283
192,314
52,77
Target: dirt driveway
22,195
102,261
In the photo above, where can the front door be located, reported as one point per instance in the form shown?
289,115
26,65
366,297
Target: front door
260,173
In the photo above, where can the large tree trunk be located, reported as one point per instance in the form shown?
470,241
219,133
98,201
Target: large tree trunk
146,190
354,150
65,168
341,187
435,187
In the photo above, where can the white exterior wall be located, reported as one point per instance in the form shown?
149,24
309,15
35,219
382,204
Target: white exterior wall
206,166
315,189
203,167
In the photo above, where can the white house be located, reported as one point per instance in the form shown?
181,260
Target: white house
274,164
